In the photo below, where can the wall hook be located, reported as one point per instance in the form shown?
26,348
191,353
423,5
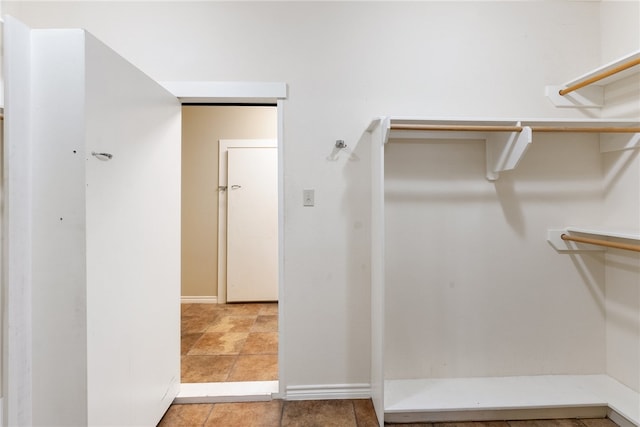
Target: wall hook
102,156
340,144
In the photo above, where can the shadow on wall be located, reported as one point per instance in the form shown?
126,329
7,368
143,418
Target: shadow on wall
623,160
356,211
453,174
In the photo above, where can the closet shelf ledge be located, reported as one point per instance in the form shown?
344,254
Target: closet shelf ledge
596,239
507,140
607,232
450,399
592,96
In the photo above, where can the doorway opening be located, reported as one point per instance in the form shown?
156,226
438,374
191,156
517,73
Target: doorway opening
229,341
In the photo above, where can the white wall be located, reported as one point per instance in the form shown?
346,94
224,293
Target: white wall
473,287
345,63
621,36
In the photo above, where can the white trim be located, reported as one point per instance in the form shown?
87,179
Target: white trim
198,300
17,354
226,92
223,147
328,391
619,419
201,91
478,415
437,399
281,293
246,391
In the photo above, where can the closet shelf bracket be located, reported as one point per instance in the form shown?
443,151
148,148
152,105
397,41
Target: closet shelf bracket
504,150
506,141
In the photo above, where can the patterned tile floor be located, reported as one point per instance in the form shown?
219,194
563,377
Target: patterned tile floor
229,342
321,413
239,342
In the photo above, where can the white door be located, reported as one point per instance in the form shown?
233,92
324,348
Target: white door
252,224
94,234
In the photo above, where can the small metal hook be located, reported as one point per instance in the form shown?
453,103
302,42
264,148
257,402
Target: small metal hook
102,156
340,144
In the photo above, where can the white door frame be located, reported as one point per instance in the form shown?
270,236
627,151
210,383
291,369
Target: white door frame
203,92
17,348
223,146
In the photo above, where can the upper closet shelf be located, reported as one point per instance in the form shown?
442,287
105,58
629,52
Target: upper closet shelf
587,91
506,140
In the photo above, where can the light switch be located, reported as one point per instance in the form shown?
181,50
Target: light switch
308,197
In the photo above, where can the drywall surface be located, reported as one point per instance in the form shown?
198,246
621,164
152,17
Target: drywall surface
345,63
620,37
473,288
620,33
203,127
622,204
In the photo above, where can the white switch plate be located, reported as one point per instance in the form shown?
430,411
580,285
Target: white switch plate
308,197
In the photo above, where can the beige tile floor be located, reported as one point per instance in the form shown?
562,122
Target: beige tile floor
321,413
229,342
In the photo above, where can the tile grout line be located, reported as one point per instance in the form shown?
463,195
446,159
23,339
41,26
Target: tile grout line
282,413
355,414
206,419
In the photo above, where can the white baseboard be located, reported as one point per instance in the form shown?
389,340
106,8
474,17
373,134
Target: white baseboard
246,391
619,419
328,391
198,300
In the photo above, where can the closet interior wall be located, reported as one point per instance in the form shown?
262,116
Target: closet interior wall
473,289
622,201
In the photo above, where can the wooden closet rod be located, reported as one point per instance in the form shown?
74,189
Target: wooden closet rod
461,128
599,242
602,129
600,76
507,128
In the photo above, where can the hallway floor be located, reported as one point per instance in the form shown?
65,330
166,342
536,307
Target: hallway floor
229,342
321,413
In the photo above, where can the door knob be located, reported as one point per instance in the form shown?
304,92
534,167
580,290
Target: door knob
235,187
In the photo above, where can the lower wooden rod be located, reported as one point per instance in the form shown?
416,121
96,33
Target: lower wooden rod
599,242
600,76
